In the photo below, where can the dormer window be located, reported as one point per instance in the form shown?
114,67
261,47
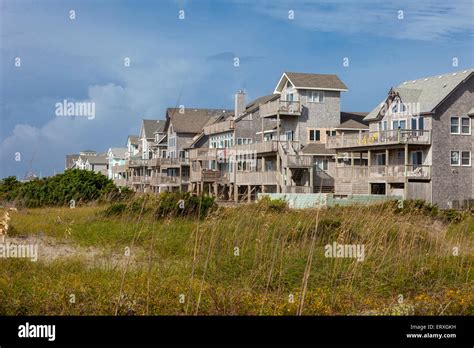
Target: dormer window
398,107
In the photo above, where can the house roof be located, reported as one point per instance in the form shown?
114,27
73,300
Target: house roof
118,152
149,127
254,104
71,159
471,112
353,120
191,120
427,92
97,159
133,139
311,81
317,149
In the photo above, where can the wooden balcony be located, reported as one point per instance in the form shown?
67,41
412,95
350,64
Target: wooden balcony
387,173
298,161
172,162
137,163
204,154
137,179
281,107
220,127
258,147
120,168
389,137
256,178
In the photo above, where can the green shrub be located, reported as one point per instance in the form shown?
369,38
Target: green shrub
82,186
277,205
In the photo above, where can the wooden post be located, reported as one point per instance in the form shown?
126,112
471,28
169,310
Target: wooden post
405,188
236,193
249,193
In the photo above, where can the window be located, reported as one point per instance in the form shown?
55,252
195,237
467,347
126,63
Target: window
465,158
321,164
465,125
399,124
454,158
289,135
380,159
417,158
331,133
454,125
316,96
314,135
398,107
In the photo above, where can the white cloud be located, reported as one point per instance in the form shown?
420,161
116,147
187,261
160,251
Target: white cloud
422,20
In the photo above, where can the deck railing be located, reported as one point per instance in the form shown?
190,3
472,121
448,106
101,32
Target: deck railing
284,107
388,137
388,171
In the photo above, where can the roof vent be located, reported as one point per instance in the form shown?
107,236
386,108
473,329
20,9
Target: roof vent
440,76
426,79
444,85
454,74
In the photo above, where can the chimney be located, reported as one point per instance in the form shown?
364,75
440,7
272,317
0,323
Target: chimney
239,103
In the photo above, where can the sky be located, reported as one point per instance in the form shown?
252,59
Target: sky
190,61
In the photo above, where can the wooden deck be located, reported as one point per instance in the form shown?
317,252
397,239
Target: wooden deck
389,137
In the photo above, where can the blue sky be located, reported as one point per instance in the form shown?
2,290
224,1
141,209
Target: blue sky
190,61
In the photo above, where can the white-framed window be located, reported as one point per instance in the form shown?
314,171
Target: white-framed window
465,125
454,125
289,135
466,158
460,125
331,133
314,135
316,96
241,141
398,107
321,163
396,124
383,126
418,123
455,160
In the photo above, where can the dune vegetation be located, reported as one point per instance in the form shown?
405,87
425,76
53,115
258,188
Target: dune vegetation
154,255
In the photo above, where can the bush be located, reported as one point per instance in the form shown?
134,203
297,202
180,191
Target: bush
277,205
79,185
183,204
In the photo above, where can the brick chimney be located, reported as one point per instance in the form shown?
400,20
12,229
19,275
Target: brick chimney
239,103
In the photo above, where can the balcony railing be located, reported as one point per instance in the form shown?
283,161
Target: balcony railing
120,168
388,137
298,161
283,107
219,127
385,172
256,178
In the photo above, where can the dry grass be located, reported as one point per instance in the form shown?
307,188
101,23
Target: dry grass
246,260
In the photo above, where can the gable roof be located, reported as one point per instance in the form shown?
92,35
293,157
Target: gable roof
353,120
133,139
427,92
311,81
118,152
71,159
149,127
191,120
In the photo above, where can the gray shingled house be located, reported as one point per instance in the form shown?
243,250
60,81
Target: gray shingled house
419,144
